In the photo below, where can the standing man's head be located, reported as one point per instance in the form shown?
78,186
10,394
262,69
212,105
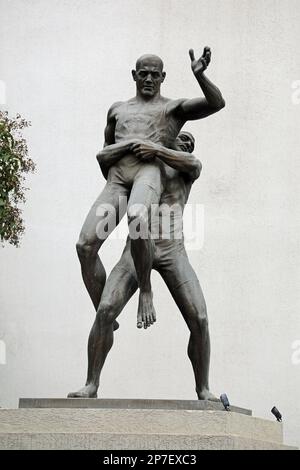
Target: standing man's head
148,75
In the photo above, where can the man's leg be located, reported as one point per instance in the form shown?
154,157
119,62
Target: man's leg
185,289
103,217
119,288
145,196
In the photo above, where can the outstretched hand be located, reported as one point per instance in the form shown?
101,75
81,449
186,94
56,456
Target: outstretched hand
198,66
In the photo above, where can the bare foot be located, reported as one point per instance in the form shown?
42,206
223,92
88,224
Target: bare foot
207,395
89,391
116,325
146,313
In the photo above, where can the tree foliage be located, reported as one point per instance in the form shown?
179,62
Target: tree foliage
14,164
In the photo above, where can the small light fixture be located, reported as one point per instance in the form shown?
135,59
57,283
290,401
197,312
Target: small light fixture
276,413
225,401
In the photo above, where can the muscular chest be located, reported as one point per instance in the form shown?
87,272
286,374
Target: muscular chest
176,187
135,117
146,122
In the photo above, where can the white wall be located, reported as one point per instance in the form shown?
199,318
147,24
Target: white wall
64,62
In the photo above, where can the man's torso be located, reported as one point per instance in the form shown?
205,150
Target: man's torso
152,121
147,121
169,224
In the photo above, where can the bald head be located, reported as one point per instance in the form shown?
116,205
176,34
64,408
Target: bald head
148,76
151,60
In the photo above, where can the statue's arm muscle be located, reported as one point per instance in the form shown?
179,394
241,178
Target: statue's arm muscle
111,152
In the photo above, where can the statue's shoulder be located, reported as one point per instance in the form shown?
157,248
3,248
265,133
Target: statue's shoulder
114,107
173,105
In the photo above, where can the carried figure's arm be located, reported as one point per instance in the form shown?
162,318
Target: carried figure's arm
111,154
198,108
181,161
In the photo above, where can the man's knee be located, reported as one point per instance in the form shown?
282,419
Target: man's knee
105,314
198,317
86,249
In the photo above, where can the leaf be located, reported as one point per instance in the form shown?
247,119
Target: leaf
14,164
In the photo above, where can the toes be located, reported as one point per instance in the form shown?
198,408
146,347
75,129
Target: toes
153,315
147,321
139,320
146,313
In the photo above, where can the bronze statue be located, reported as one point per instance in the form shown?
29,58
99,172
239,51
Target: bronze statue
145,159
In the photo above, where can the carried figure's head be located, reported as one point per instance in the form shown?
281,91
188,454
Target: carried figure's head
148,75
185,141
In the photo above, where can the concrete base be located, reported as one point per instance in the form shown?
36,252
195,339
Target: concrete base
149,428
132,404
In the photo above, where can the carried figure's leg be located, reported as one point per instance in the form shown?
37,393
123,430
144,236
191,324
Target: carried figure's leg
185,289
144,197
102,218
119,288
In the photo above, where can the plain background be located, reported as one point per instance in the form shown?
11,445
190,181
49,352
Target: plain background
64,62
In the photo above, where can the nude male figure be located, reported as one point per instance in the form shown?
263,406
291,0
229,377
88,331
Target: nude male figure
148,117
171,261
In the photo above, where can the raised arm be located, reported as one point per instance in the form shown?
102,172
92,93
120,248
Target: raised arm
198,108
181,161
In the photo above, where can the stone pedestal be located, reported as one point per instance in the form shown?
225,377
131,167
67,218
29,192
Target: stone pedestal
134,424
